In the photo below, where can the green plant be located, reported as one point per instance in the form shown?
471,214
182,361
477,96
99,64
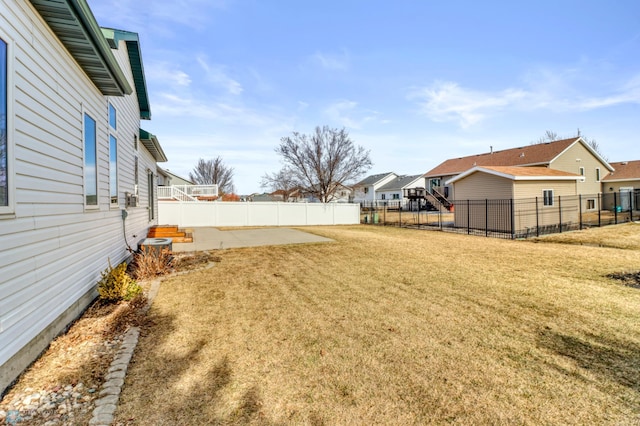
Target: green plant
117,285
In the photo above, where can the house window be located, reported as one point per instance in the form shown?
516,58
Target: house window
591,204
396,196
90,162
152,204
384,196
112,117
4,128
547,196
135,175
366,190
581,171
113,170
597,174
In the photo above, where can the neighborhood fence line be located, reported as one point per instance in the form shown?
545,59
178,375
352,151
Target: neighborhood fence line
515,218
223,213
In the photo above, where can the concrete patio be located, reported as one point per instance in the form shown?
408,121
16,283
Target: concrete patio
207,238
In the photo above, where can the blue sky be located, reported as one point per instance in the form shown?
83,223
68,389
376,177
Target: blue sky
415,82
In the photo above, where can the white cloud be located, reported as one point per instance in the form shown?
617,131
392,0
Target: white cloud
331,61
216,75
136,14
347,114
448,101
165,74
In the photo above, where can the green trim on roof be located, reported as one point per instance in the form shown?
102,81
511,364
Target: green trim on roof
75,26
132,40
152,144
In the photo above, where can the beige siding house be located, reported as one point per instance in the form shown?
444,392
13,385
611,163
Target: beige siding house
77,174
513,199
625,181
572,156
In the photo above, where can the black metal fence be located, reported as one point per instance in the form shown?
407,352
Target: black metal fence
513,218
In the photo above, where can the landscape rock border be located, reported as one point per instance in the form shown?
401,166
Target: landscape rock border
105,406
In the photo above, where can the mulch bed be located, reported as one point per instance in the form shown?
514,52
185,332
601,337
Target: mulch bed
630,279
60,387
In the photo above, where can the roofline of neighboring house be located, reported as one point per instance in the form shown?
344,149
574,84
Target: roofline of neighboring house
510,176
114,36
152,144
621,180
590,149
396,188
383,175
75,26
166,172
543,163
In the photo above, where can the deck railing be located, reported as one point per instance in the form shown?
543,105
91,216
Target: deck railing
188,192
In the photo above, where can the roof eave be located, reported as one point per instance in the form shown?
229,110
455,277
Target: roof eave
510,176
132,40
75,26
621,180
152,145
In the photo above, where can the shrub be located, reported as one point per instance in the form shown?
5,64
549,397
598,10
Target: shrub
117,285
150,263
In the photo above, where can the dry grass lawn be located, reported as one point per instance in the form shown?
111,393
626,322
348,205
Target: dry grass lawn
393,326
623,236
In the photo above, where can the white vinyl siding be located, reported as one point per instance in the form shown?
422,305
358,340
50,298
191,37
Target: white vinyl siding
6,134
49,230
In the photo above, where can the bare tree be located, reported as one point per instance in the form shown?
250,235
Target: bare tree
283,180
323,161
549,136
213,172
596,147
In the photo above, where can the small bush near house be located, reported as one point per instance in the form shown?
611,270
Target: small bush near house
151,263
117,285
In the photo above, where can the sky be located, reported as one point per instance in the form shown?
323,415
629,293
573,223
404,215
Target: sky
414,81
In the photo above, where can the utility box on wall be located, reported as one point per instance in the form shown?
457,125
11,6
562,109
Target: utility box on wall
131,200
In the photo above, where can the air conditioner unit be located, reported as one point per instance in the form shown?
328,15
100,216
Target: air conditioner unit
155,245
131,199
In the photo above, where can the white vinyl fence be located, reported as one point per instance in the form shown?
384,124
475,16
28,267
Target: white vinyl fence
186,214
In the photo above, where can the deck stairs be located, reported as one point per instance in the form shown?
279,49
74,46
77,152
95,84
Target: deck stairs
176,234
439,201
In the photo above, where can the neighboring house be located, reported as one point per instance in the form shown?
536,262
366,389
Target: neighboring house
298,195
258,198
572,155
166,178
527,189
393,191
77,174
625,181
365,190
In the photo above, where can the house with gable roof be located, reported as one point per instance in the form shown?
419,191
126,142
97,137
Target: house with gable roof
366,190
573,156
77,173
625,181
393,192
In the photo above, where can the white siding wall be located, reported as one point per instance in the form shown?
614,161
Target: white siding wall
52,250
